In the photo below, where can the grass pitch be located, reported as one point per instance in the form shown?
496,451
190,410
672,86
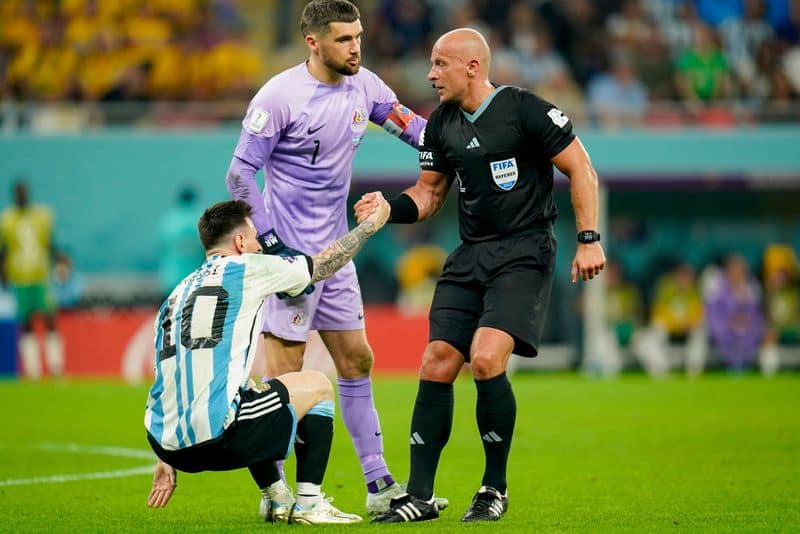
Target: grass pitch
721,453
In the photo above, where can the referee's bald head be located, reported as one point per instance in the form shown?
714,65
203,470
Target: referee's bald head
468,45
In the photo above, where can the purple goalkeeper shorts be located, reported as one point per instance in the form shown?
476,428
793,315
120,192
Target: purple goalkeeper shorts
335,304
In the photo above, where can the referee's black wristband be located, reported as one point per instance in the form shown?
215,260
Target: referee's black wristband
404,210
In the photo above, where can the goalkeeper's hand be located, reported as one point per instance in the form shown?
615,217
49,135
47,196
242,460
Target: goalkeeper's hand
274,245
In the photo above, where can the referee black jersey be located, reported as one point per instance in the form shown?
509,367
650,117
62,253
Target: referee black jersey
500,158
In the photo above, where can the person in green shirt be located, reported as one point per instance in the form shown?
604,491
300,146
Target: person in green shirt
702,72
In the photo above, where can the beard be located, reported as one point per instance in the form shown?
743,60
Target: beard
343,68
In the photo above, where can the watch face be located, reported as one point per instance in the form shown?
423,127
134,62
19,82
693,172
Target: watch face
588,236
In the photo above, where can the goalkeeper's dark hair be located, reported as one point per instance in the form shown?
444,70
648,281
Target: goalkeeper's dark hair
220,220
318,14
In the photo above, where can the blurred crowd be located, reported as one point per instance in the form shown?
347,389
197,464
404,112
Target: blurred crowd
125,50
725,314
612,62
615,62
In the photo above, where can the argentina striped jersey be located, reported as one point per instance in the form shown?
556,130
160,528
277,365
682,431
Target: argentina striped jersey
205,341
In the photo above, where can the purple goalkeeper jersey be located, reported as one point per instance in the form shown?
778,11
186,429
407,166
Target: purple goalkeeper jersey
305,135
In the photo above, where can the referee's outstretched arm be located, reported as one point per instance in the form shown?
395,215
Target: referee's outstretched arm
420,201
574,162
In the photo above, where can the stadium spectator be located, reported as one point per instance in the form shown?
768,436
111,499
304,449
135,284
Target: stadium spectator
703,73
506,63
630,29
26,255
677,28
417,272
409,22
623,313
42,68
584,43
179,250
101,50
562,87
617,98
715,12
782,305
734,315
676,319
66,284
791,68
233,423
742,38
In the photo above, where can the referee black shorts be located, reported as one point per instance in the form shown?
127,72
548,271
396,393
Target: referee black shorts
503,284
264,429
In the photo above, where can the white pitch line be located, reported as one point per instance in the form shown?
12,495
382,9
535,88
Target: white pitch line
76,448
124,452
54,479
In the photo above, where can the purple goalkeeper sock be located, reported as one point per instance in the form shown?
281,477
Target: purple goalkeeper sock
361,420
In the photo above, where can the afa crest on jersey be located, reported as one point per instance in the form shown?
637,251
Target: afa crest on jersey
505,173
360,119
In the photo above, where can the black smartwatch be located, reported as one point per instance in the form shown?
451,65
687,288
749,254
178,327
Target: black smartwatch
588,236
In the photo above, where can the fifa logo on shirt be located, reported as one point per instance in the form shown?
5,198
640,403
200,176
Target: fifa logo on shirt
503,165
505,173
425,158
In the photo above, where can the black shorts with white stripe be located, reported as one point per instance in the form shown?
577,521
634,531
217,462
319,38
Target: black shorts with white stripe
264,429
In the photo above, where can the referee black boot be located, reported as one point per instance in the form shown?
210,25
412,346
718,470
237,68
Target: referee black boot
406,507
487,505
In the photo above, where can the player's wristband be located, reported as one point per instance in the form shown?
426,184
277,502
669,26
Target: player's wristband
270,242
404,210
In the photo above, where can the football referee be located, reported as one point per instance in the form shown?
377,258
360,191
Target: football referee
499,143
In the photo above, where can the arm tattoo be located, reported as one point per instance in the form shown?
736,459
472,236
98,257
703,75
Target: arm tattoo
341,251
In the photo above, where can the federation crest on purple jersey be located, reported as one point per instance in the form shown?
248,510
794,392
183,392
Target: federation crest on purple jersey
360,119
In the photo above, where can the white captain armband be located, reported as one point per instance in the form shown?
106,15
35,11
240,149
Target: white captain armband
398,119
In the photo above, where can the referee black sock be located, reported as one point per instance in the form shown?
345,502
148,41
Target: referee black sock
430,430
312,444
265,473
496,412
